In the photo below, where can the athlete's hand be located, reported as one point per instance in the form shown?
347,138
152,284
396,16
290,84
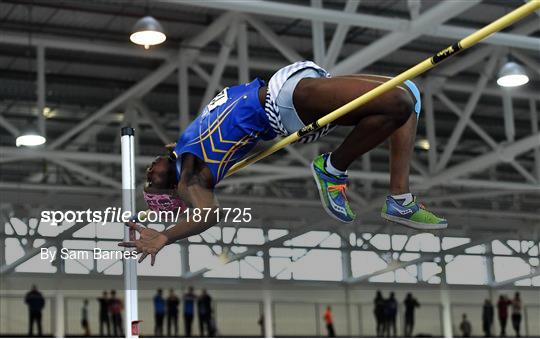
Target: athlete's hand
149,243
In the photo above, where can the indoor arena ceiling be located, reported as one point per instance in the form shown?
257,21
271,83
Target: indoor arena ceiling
90,63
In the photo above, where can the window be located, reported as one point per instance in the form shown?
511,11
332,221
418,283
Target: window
467,269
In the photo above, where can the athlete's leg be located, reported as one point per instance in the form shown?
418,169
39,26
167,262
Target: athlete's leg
401,148
387,116
401,143
373,122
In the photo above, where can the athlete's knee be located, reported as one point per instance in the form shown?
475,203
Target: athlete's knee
414,93
400,107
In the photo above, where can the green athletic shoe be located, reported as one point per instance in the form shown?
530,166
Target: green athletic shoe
332,191
413,215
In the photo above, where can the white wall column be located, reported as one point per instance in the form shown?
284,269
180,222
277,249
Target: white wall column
446,310
268,316
184,257
59,319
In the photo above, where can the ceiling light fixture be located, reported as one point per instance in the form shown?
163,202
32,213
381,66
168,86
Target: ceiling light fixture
423,144
147,32
30,139
512,74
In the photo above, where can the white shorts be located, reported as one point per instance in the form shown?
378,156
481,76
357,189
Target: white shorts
279,105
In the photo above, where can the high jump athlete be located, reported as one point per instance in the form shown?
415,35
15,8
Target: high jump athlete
296,95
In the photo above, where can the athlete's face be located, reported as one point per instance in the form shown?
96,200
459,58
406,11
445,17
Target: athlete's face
158,175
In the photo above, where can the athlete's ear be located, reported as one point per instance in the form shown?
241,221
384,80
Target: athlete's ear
170,147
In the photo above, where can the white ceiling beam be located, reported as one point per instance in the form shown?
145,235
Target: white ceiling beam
243,53
183,91
431,134
41,89
431,18
462,62
483,134
502,154
6,269
235,257
265,64
148,82
219,67
458,215
527,60
153,120
424,258
534,129
288,52
467,113
339,36
88,157
87,172
284,10
9,127
317,35
534,272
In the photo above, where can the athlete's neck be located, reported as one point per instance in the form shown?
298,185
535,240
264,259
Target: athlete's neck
262,95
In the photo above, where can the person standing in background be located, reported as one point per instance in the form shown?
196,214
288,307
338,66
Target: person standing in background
410,305
378,311
104,305
517,307
502,310
390,308
84,318
329,320
204,308
172,312
488,314
189,309
35,301
465,327
260,322
159,313
115,307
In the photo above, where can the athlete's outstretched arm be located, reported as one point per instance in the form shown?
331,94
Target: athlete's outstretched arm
201,198
192,188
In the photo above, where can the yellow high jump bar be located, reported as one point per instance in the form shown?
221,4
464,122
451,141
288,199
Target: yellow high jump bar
413,72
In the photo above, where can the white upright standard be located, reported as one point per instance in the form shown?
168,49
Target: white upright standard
131,324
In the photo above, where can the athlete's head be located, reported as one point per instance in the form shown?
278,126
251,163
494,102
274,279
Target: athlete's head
161,183
161,175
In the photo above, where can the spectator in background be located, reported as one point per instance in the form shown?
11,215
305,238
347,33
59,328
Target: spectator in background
328,319
488,314
35,301
378,311
189,309
410,305
84,318
104,304
260,322
115,308
390,314
159,313
502,310
172,312
517,307
465,327
204,308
